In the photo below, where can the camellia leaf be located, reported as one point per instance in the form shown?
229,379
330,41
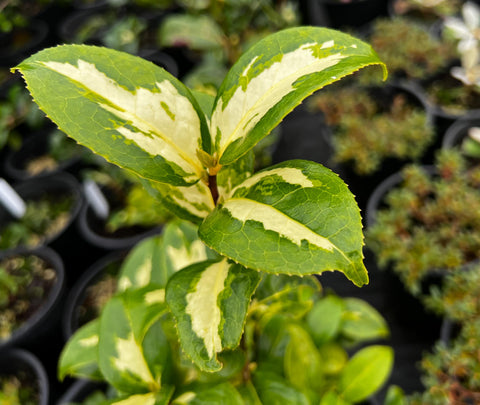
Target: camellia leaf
365,373
209,301
126,109
273,77
133,350
155,259
79,357
297,218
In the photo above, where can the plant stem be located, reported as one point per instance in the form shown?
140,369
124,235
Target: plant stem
212,185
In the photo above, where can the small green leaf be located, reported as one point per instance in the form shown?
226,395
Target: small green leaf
395,396
334,358
365,373
133,350
302,364
332,398
221,394
273,389
79,357
249,394
209,301
273,77
296,218
153,398
126,109
362,322
325,318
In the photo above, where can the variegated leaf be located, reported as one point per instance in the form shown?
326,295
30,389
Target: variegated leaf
154,260
133,349
297,217
192,203
79,357
220,394
209,301
124,108
273,77
161,397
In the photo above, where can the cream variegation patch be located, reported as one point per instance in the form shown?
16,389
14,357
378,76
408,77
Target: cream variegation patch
290,175
196,198
155,297
249,105
140,399
89,341
182,257
202,306
130,358
274,220
153,116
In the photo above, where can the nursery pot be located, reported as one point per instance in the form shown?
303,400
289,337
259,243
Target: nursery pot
79,391
28,366
35,147
74,314
347,13
458,131
93,228
36,331
407,309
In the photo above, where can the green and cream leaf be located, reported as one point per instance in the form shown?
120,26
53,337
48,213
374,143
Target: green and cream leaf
297,217
127,109
131,341
209,301
79,357
273,77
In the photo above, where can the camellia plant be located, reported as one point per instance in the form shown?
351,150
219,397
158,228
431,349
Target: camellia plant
193,152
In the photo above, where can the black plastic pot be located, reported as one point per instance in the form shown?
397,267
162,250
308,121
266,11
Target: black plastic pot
42,323
94,232
458,131
337,14
106,265
79,391
35,146
22,42
17,360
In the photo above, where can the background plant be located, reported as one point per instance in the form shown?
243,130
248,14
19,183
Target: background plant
429,221
365,132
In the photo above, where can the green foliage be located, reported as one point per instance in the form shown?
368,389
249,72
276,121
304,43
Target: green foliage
17,390
366,132
25,282
194,153
429,222
291,350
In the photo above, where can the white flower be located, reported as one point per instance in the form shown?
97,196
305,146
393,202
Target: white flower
467,29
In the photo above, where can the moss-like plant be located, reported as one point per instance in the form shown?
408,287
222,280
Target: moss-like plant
430,221
366,130
25,282
18,390
427,11
452,371
408,49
